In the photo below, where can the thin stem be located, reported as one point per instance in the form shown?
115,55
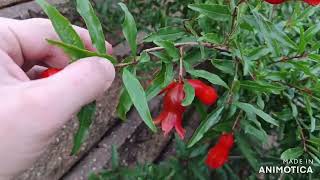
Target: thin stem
236,122
285,59
235,78
208,45
304,90
121,65
302,137
181,65
233,22
178,45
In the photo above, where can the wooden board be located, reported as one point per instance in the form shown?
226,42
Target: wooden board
6,3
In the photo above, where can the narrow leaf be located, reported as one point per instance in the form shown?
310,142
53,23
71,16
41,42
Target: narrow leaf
213,119
170,48
76,53
247,151
213,11
62,26
93,24
169,74
213,78
167,33
189,94
259,86
124,104
138,97
129,29
157,84
251,109
144,57
292,153
85,119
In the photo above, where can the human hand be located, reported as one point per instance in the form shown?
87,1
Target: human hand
31,111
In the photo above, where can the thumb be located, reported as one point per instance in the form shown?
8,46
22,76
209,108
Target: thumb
79,83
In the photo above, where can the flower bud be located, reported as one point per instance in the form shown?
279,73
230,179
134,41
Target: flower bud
275,1
206,94
218,154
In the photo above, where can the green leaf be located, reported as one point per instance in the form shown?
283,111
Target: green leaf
213,118
224,66
314,157
211,38
114,157
260,86
310,113
189,94
93,24
251,109
144,57
93,176
212,78
169,74
271,33
260,134
85,119
76,53
157,84
124,104
258,53
307,12
214,11
62,26
163,56
170,48
311,32
292,153
247,151
315,57
138,97
129,29
167,33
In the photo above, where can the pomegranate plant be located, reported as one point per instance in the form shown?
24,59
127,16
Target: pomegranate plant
249,68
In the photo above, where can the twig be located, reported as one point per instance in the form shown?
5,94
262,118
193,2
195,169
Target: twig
181,65
235,78
304,140
233,21
178,45
304,90
285,59
208,45
121,65
236,122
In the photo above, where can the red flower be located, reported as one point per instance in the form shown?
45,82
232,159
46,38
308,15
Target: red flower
275,1
312,2
49,72
218,154
206,94
171,115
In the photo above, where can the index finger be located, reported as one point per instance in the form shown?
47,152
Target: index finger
28,45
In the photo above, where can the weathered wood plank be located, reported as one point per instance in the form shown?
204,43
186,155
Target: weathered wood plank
135,143
32,9
6,3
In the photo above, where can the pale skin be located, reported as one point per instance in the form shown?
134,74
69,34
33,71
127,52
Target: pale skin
32,110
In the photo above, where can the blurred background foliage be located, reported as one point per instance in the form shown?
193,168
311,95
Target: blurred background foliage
272,63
